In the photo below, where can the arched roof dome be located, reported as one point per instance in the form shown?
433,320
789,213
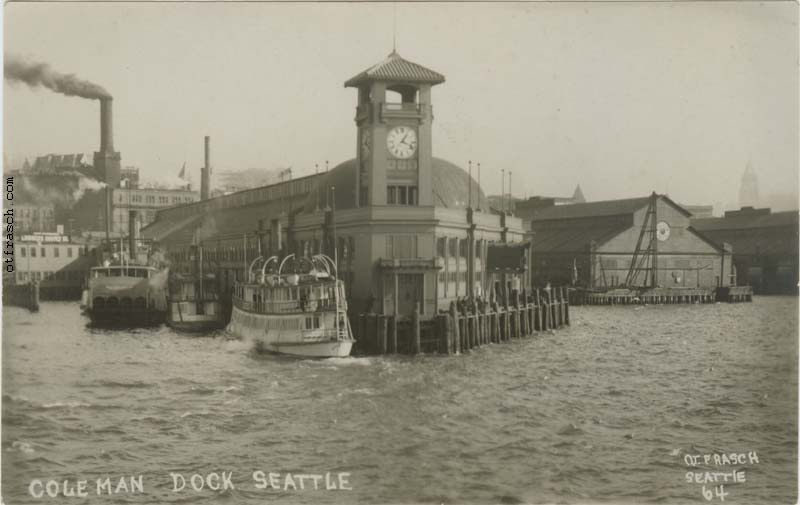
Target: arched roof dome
450,187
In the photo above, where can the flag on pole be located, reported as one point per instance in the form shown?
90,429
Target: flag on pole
182,173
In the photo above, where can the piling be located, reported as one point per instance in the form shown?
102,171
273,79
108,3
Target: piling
383,326
445,343
495,323
456,333
34,301
393,334
415,336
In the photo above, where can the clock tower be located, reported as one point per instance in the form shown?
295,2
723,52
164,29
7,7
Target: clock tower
394,143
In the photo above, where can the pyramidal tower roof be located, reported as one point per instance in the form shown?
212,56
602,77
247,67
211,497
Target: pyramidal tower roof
577,196
395,68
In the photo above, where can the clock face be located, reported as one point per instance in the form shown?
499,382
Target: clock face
365,143
662,231
402,142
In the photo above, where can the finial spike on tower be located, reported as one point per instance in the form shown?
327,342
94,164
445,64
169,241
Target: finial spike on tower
394,28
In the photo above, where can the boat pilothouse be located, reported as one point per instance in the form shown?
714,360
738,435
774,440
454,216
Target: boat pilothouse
294,305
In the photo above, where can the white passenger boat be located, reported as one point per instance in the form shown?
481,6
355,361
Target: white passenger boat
293,306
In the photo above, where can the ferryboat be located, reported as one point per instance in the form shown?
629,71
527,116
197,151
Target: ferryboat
129,286
294,306
193,298
125,295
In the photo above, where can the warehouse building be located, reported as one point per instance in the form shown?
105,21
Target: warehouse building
764,244
593,245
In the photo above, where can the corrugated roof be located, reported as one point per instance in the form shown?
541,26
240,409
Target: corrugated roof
744,222
591,209
396,68
162,229
575,238
758,234
600,209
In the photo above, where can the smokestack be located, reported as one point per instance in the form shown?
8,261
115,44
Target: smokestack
106,160
106,126
133,233
206,172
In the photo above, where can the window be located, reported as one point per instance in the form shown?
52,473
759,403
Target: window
22,251
401,246
43,253
478,248
462,248
401,195
453,247
69,252
441,246
33,252
56,252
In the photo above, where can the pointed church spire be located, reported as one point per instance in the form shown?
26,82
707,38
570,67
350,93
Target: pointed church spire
577,196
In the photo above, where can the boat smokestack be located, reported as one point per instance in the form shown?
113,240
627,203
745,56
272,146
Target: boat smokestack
205,175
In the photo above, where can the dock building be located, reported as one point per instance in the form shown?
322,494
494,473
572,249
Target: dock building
593,245
409,230
765,249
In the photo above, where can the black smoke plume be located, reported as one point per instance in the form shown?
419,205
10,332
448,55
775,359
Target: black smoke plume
40,74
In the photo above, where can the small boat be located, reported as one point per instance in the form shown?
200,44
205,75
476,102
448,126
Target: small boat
125,295
193,298
294,306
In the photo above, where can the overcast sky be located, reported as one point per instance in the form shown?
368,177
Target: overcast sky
623,98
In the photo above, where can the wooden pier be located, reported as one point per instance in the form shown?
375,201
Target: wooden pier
662,296
466,325
22,295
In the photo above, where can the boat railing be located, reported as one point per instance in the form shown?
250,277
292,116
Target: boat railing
285,307
325,335
207,296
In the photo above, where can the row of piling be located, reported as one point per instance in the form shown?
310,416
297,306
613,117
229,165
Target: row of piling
467,324
663,296
22,295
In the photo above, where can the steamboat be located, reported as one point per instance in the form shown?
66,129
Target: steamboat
193,298
128,288
125,295
293,306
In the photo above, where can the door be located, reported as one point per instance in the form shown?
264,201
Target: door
409,292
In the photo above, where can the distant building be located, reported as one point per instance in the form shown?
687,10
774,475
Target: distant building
525,209
765,249
59,163
129,177
592,245
748,190
31,218
54,260
89,213
145,202
699,211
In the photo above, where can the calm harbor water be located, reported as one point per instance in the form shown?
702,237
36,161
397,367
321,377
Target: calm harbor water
605,411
